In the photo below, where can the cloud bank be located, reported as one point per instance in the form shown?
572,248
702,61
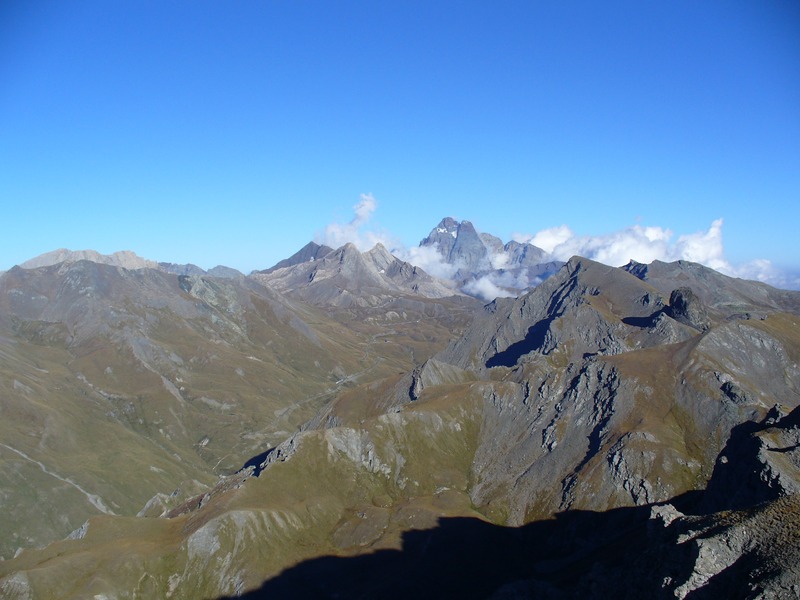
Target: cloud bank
499,285
646,244
640,243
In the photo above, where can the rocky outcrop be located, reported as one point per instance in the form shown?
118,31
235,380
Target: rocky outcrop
433,373
685,307
599,376
760,462
723,297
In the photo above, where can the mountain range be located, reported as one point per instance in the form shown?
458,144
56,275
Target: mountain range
345,424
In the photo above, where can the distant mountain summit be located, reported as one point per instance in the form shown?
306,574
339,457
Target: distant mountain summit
460,245
485,266
478,264
310,252
346,276
125,259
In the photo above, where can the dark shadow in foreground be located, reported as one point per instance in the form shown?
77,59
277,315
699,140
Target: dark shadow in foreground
619,553
578,554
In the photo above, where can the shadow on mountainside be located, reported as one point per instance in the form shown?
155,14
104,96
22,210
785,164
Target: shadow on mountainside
644,322
533,340
627,552
563,557
256,462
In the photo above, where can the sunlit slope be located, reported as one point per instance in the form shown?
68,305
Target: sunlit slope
338,491
121,384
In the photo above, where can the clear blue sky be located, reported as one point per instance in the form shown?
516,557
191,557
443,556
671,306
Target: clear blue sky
233,132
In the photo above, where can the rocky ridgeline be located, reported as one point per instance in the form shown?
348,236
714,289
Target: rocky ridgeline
347,278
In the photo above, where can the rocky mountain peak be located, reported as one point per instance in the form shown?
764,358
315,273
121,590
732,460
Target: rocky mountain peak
346,275
448,226
308,253
443,237
484,264
687,308
381,256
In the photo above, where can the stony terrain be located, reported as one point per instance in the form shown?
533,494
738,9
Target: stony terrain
625,432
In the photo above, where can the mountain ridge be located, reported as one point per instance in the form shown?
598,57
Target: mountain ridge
479,264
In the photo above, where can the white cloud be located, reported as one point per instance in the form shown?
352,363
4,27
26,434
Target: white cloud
500,285
486,289
429,260
550,239
643,244
764,271
499,260
355,231
646,244
364,209
640,243
703,247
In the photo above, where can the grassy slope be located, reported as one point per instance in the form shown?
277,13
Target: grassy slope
154,402
344,492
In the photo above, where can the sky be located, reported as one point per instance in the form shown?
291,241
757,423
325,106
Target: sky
235,132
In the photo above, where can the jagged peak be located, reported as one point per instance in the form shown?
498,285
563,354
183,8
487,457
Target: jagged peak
310,252
380,251
348,247
348,254
466,226
379,247
448,223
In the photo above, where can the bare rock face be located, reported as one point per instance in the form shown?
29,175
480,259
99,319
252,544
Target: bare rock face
685,307
599,374
433,373
760,462
722,296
